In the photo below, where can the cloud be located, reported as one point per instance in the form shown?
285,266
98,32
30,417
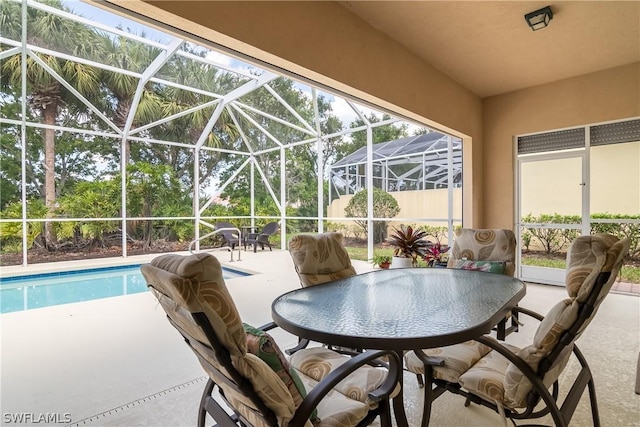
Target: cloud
219,58
343,111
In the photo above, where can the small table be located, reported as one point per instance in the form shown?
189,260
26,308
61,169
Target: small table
246,230
399,309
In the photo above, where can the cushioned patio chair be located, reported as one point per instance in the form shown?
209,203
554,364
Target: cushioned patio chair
320,258
250,382
229,233
491,250
262,238
523,383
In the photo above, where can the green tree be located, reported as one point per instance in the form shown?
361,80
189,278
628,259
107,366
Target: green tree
45,94
379,134
77,157
11,232
99,199
120,88
189,128
11,155
384,206
301,161
255,140
152,190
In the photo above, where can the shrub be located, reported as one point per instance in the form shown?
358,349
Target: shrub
384,206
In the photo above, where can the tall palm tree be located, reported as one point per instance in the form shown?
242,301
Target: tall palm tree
45,94
189,128
130,55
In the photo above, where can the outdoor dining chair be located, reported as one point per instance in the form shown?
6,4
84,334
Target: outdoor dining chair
317,259
250,382
320,258
490,250
523,383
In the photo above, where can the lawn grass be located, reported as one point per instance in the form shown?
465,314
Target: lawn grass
628,273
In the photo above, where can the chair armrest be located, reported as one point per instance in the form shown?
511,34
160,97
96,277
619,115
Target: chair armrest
510,356
341,372
268,326
429,360
528,312
302,343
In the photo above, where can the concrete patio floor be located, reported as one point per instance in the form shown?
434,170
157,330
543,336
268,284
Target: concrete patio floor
118,362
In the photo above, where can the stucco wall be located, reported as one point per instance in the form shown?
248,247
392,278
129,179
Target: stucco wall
426,204
593,98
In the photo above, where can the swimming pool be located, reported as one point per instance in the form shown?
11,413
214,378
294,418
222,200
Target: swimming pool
47,289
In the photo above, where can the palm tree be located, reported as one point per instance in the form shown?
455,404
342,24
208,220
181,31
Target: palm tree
45,94
188,129
133,56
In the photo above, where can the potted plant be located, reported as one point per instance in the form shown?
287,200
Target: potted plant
382,261
409,243
436,255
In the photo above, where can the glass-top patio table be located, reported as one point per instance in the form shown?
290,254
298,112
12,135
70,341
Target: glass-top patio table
399,309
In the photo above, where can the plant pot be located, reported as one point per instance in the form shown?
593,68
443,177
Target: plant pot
401,262
384,265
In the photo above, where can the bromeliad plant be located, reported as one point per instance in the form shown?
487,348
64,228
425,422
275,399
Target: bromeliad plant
436,254
409,242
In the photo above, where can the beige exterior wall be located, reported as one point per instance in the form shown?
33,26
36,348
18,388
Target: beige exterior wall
430,204
325,42
615,179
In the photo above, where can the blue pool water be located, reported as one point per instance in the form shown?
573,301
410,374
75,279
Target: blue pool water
47,289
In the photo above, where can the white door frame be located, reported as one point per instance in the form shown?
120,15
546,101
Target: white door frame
547,275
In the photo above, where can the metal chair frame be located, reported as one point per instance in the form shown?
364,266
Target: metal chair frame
261,238
562,414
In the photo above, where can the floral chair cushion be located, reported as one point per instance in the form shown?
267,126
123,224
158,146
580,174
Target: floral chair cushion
263,345
497,267
459,359
194,283
320,258
496,378
484,245
318,362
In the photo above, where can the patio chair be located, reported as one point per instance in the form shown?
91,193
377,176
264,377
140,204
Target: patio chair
261,238
250,382
230,236
491,250
523,383
320,258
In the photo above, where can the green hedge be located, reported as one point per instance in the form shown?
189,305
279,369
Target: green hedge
558,240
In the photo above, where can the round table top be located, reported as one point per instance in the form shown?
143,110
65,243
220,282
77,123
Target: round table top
399,309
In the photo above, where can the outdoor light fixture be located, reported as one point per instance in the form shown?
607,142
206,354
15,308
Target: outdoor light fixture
539,19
